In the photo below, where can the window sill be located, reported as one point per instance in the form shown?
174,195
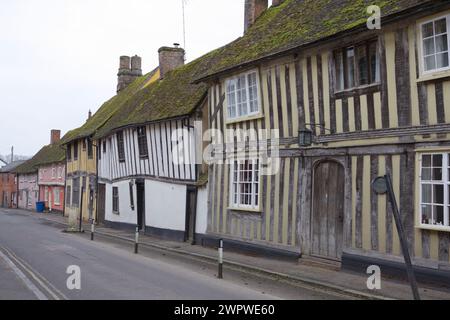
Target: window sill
432,149
434,76
116,213
243,119
243,210
433,228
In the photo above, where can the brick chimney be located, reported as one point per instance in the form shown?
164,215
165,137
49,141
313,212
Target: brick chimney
136,66
276,2
170,58
55,136
253,9
129,70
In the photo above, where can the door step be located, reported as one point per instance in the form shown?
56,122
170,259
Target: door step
320,263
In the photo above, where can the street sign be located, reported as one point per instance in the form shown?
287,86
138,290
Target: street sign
383,185
380,185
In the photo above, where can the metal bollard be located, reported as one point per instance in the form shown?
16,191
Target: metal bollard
92,230
136,240
220,274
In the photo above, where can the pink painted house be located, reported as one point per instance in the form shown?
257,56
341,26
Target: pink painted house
51,180
42,178
52,174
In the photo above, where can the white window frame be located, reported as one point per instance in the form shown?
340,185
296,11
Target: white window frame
247,92
57,199
422,49
445,182
256,192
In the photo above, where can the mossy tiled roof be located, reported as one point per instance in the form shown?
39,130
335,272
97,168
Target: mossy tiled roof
53,153
107,110
296,23
174,96
11,166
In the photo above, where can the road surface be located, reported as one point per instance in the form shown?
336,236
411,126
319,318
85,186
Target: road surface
35,257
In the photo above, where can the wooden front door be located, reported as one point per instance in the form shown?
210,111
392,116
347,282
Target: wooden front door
328,210
101,203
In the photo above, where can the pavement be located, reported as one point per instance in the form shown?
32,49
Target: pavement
327,282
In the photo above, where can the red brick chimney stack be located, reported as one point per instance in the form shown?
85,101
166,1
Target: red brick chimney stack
55,136
253,9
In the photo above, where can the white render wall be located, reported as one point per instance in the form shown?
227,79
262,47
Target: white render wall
202,211
126,214
165,205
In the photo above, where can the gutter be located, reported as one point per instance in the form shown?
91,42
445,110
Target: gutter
408,12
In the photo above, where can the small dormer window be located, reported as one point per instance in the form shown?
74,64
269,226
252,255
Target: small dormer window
243,96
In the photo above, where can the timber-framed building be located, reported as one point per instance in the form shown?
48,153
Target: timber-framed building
376,101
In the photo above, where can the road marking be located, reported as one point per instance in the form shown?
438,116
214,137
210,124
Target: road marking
38,293
44,283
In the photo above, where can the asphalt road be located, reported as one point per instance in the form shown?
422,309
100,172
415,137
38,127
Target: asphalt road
35,256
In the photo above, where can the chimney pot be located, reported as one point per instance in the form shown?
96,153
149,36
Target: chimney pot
55,136
124,62
253,9
170,59
136,66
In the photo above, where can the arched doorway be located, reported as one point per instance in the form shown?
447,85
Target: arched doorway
328,210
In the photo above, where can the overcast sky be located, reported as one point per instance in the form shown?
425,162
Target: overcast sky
59,58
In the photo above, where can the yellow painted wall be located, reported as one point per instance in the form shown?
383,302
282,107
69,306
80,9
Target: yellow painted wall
83,167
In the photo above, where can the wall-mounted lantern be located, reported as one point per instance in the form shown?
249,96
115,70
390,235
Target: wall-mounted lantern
305,138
